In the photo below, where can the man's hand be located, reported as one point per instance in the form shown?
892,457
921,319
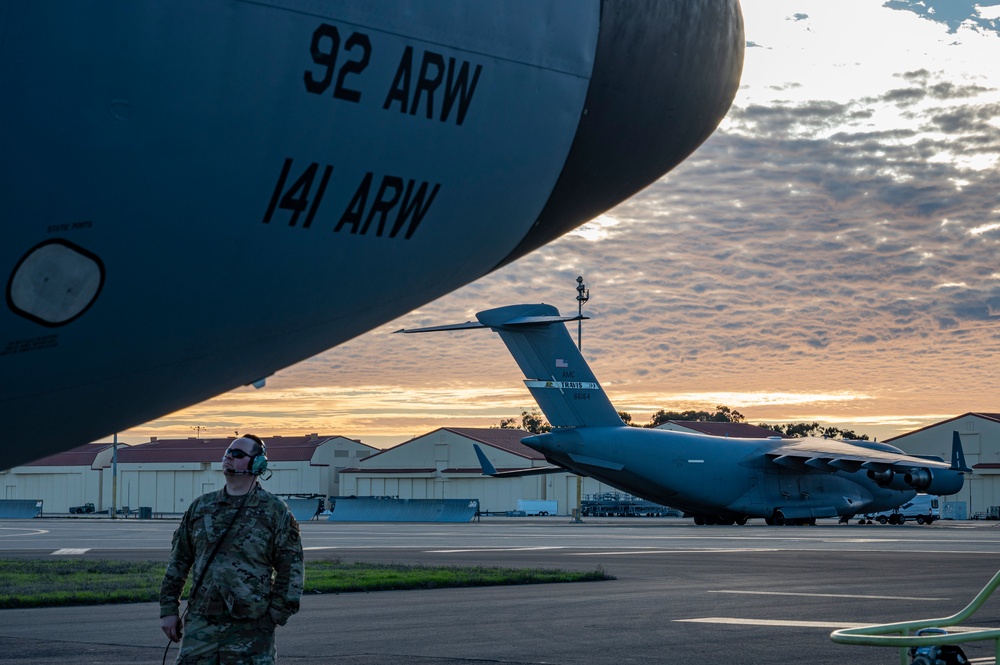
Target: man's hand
172,627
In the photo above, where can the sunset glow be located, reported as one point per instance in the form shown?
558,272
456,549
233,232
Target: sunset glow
829,254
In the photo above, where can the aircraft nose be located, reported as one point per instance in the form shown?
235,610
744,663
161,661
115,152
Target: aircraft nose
665,74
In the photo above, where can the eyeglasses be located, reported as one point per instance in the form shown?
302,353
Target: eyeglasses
236,453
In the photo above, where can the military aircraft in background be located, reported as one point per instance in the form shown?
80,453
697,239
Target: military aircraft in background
714,479
201,193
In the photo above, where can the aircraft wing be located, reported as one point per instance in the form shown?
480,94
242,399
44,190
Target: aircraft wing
833,455
490,470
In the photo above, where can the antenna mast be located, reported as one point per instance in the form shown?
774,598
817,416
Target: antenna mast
582,296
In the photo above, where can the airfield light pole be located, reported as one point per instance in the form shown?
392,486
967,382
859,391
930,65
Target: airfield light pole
582,296
114,479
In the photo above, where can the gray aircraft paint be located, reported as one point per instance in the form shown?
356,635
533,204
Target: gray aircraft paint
200,193
716,479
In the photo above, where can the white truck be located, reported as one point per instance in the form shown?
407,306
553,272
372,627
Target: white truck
922,509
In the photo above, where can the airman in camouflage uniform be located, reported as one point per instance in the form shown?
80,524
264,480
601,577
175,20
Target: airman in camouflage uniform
251,585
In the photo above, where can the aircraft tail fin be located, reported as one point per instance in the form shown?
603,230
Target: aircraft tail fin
555,372
957,454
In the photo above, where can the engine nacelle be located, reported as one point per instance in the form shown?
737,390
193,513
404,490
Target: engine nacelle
934,481
881,478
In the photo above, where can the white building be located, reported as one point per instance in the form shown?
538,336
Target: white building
166,475
72,478
980,436
443,465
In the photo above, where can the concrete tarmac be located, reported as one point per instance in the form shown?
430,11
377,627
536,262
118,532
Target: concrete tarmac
711,594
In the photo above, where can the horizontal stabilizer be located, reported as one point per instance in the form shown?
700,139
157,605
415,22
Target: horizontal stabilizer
555,372
490,470
544,320
468,325
517,321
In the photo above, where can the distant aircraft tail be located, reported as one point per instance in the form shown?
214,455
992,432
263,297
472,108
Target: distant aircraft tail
957,454
555,372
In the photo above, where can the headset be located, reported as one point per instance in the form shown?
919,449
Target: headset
258,463
258,460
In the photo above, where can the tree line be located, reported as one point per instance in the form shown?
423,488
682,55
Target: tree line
533,421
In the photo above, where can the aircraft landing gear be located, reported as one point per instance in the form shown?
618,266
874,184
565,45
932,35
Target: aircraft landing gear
779,519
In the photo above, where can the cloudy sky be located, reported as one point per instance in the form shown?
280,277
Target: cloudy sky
829,254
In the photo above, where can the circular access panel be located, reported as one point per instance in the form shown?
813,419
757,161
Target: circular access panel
55,282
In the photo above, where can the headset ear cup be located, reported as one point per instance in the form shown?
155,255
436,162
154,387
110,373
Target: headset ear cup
259,464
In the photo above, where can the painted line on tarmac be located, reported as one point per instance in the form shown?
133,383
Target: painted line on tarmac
687,551
24,531
823,595
787,623
71,550
493,549
733,621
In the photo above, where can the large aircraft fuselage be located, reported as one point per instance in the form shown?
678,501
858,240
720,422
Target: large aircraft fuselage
707,475
200,193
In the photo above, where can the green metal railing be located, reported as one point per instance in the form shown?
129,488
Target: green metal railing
901,634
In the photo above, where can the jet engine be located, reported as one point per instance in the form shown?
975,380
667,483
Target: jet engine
933,481
921,479
882,478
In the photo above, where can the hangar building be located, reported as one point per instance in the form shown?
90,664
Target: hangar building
980,435
70,478
443,465
165,475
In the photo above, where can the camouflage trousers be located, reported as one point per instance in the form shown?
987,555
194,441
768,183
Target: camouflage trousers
225,641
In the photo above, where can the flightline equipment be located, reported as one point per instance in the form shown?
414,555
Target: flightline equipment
901,634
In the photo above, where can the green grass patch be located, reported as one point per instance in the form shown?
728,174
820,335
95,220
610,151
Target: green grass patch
49,583
337,577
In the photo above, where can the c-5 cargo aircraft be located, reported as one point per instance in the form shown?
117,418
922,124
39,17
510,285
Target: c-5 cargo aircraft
717,480
199,193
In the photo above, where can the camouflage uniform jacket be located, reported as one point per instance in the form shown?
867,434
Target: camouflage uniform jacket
258,567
